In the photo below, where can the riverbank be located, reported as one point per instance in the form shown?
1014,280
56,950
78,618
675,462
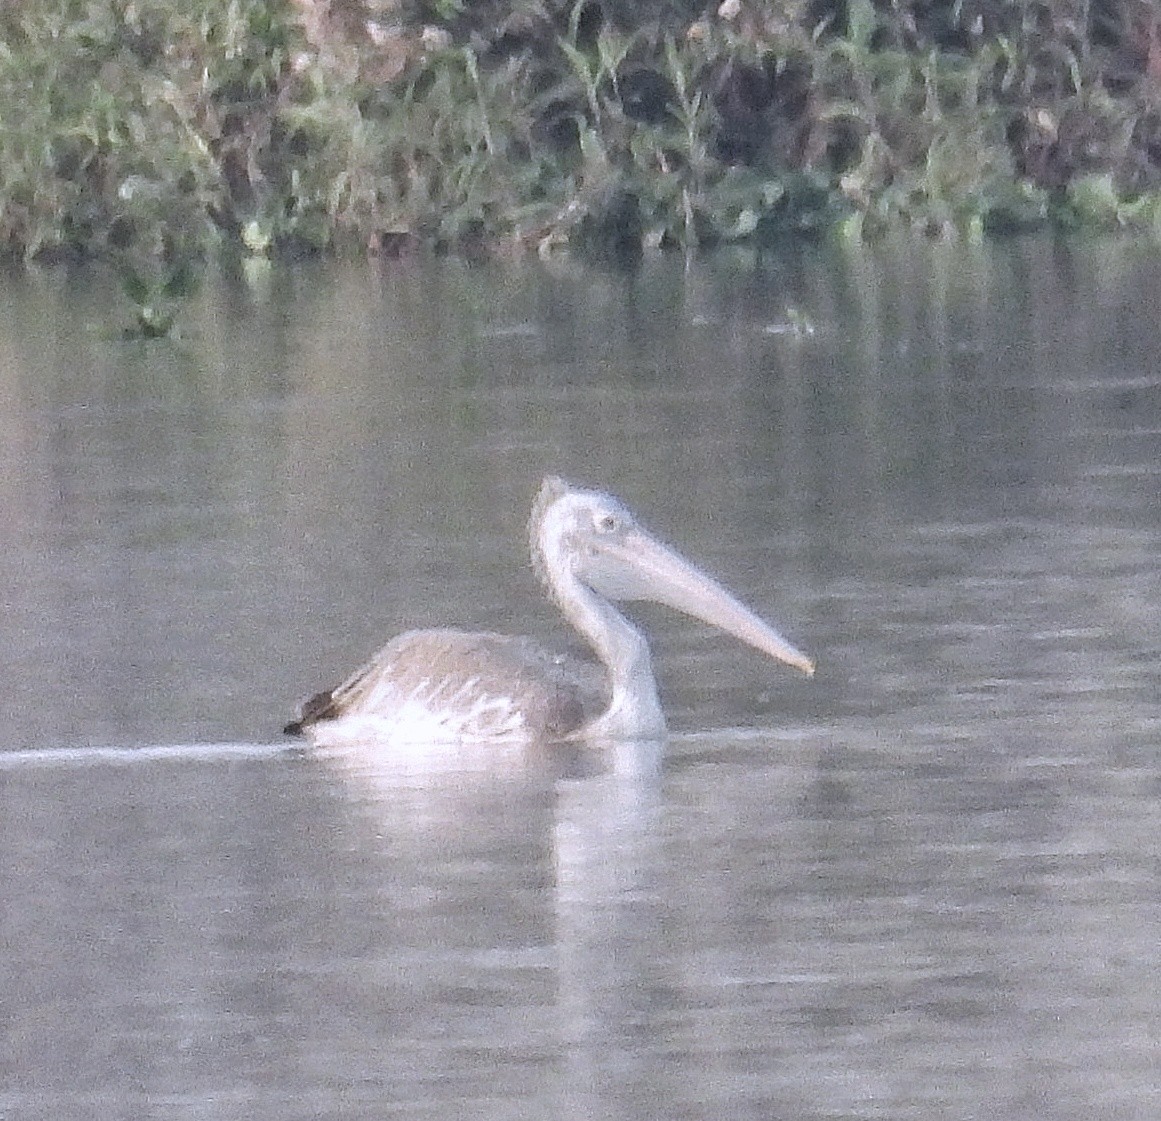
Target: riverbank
163,131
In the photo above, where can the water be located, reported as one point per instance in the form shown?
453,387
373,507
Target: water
924,884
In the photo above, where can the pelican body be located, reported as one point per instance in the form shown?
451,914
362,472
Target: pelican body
455,686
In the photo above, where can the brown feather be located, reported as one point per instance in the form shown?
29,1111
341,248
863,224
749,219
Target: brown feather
558,693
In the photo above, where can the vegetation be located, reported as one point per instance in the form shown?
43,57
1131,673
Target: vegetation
156,131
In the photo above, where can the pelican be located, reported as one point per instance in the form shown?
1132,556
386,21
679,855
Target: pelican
454,686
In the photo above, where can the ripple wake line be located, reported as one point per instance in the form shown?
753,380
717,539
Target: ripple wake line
122,756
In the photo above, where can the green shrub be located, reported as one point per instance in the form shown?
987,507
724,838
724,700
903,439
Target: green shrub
158,131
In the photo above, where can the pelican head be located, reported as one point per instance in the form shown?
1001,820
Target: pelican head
583,539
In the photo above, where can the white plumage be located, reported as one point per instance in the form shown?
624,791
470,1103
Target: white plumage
439,686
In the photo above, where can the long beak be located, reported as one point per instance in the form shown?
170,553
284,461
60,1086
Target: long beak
638,566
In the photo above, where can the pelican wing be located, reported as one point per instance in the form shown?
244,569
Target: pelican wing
434,685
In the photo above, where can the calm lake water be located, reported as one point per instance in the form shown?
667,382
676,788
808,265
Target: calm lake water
925,884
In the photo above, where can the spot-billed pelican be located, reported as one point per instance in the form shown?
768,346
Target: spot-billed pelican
454,686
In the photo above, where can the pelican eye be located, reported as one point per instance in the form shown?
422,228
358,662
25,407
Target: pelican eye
607,523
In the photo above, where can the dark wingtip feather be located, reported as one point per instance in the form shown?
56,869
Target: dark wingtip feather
319,707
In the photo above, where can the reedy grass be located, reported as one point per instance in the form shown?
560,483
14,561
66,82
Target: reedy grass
156,132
